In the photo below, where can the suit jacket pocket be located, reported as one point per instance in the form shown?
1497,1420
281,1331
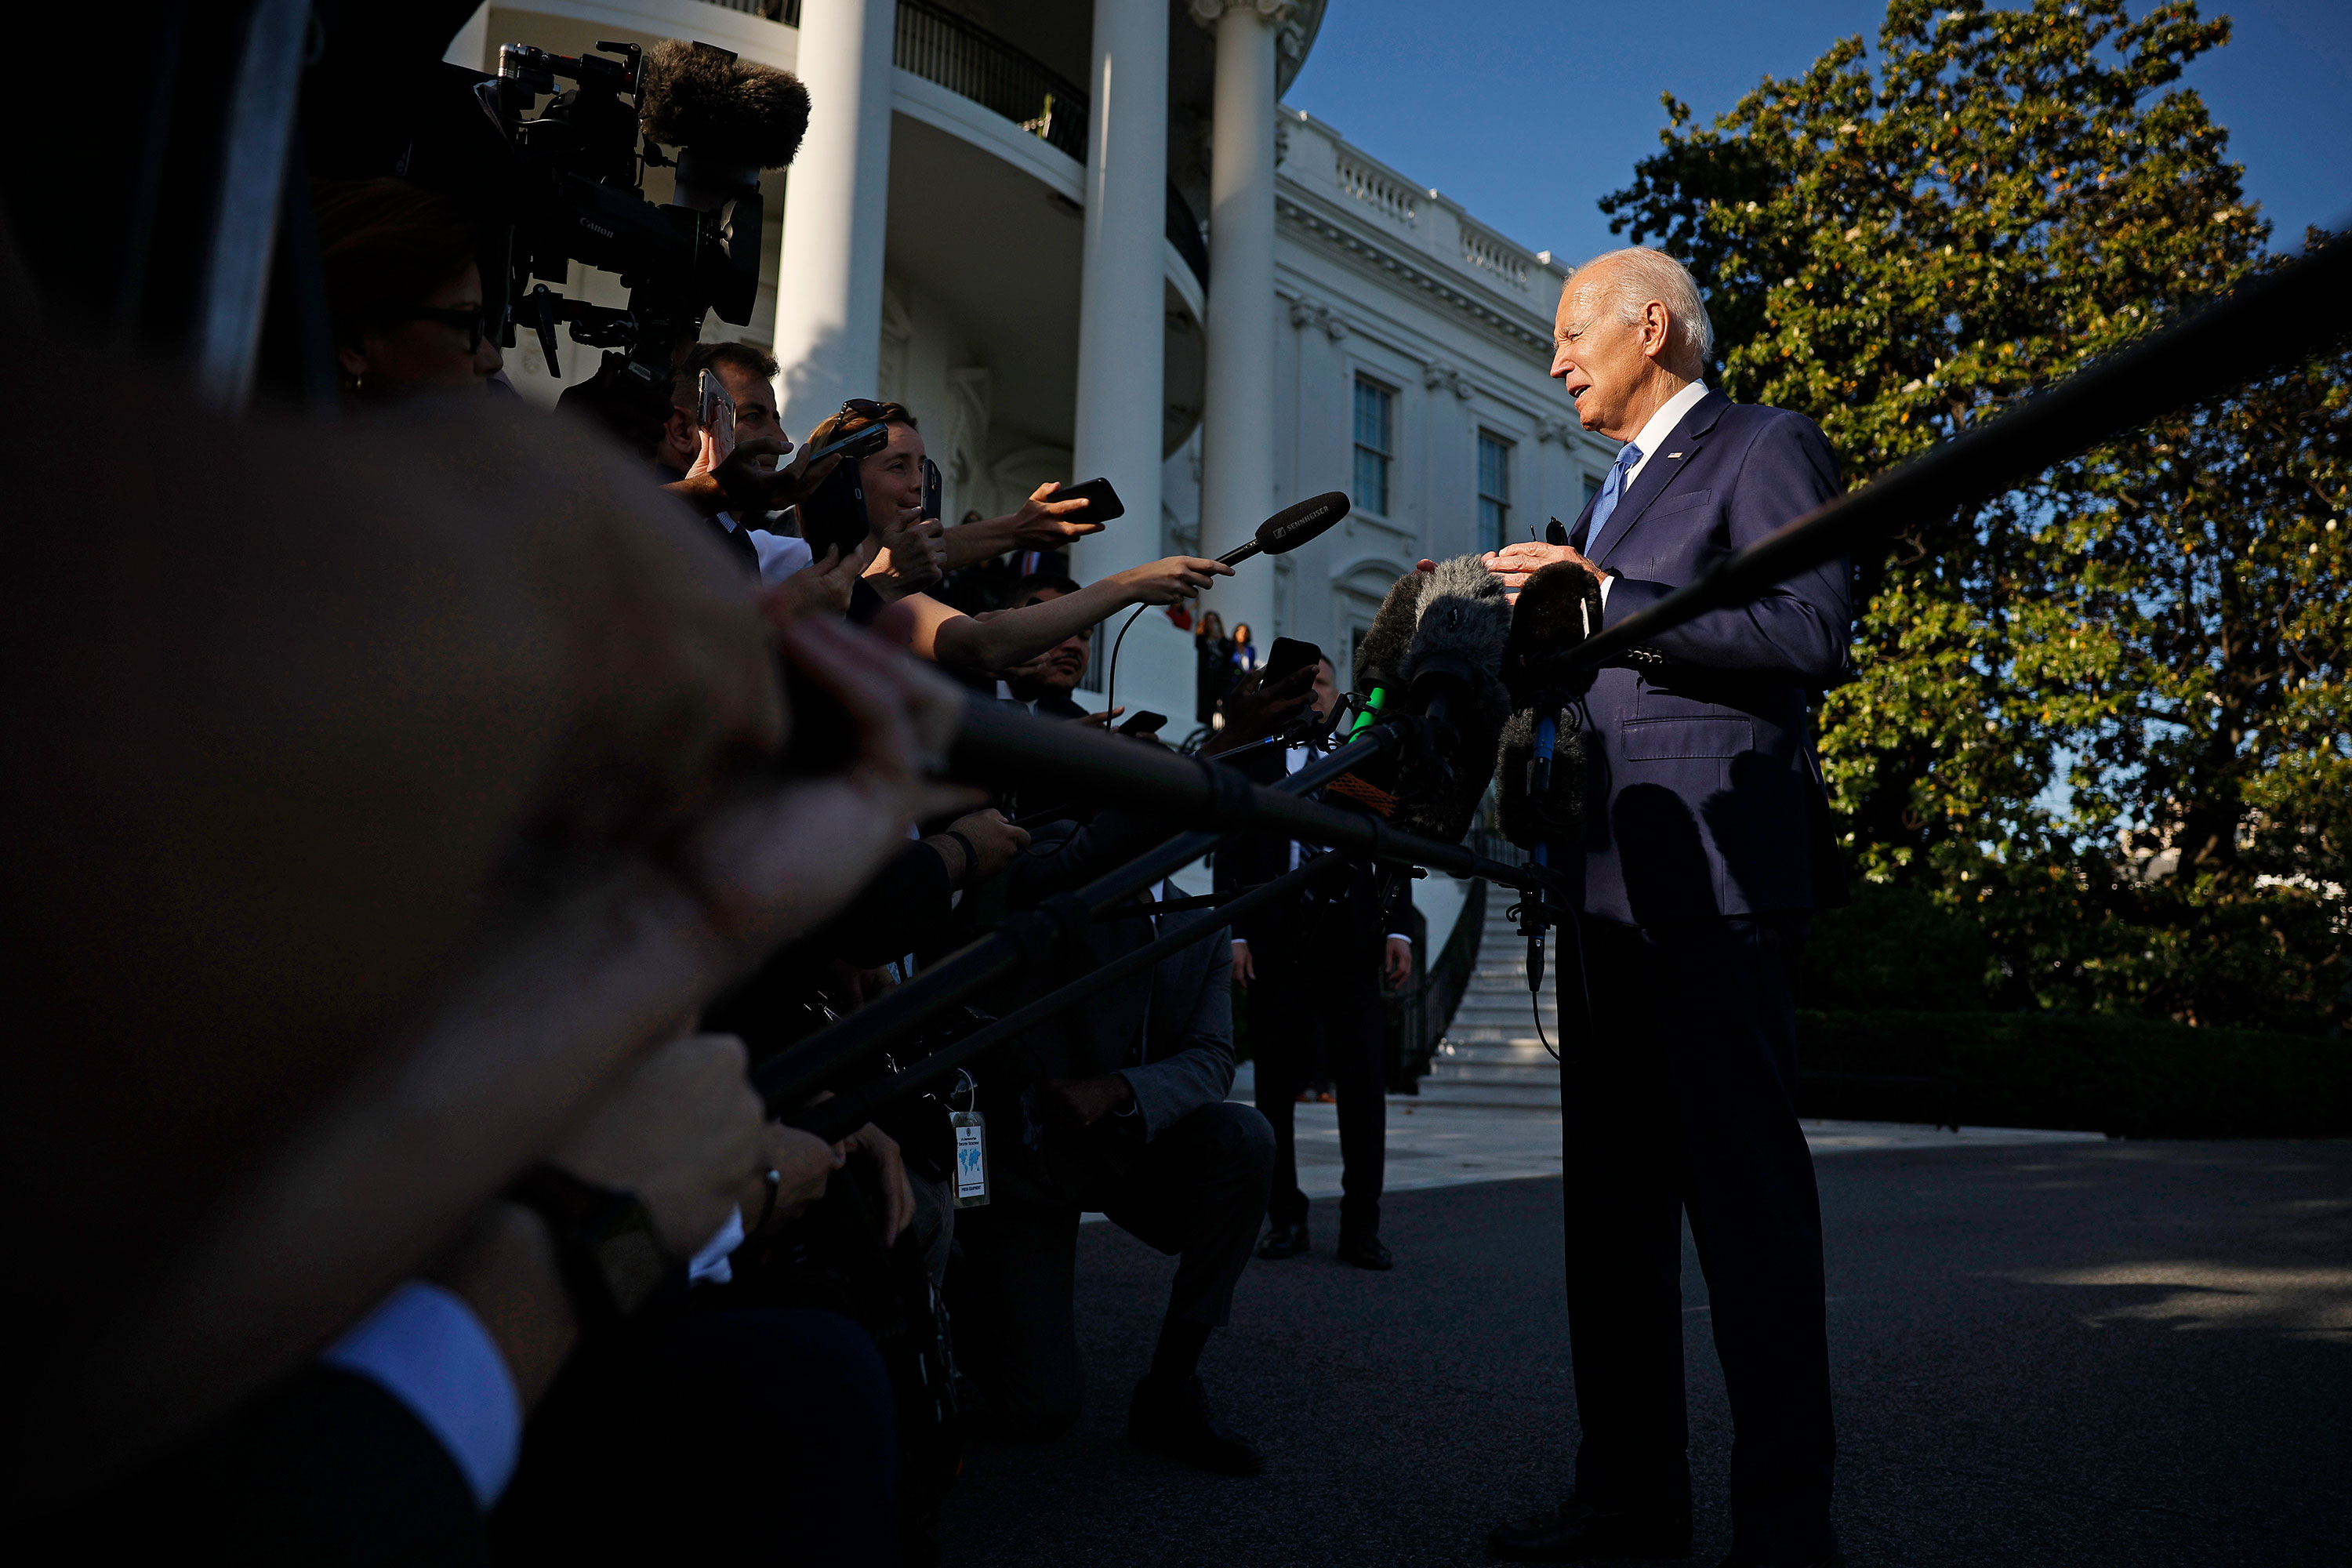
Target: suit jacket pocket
1666,505
1653,739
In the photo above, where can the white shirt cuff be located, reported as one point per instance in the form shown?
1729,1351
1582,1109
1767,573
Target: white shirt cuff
1606,578
424,1347
1400,936
710,1263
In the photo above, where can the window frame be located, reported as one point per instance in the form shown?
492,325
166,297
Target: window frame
1385,457
1495,538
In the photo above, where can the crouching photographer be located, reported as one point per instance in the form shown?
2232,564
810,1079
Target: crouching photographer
1117,1106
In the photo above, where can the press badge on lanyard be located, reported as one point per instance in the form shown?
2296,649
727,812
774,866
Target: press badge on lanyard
970,1146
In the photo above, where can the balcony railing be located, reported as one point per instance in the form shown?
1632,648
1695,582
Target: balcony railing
973,62
788,12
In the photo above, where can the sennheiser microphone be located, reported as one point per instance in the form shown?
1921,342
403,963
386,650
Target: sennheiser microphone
1291,527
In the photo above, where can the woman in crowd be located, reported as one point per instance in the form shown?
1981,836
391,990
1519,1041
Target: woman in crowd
1212,657
405,304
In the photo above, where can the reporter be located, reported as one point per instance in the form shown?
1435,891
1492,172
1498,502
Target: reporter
908,553
497,646
404,299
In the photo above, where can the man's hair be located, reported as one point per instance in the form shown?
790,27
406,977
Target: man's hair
1637,275
750,358
384,245
1038,583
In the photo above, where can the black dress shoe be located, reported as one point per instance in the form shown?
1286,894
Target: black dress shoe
1575,1531
1175,1418
1365,1252
1283,1241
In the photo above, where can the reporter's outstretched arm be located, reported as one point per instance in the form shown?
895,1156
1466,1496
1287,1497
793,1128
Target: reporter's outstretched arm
1041,523
1010,637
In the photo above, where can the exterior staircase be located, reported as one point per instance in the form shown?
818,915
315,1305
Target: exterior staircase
1490,1055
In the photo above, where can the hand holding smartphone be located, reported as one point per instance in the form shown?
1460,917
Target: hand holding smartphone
715,413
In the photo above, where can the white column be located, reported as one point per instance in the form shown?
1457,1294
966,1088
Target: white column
471,47
1237,426
829,297
1122,304
1123,343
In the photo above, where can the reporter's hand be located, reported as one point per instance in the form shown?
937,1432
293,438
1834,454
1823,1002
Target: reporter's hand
1043,524
1087,1100
680,1131
803,1163
870,1144
819,588
1164,582
914,554
1244,967
1104,720
1256,708
993,839
1396,962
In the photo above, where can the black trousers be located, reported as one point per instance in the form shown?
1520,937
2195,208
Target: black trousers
1681,1098
1196,1191
1320,1001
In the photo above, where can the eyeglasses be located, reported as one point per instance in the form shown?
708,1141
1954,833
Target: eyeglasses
475,324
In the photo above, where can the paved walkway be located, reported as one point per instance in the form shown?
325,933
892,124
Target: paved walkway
2080,1354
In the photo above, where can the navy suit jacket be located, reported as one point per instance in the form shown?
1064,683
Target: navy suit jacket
1705,787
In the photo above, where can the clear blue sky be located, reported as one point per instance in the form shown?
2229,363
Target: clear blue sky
1528,112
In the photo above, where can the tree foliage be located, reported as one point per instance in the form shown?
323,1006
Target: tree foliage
2104,715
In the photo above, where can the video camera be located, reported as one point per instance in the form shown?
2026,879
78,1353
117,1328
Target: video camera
565,181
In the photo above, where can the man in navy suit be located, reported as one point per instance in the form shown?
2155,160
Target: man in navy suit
1708,849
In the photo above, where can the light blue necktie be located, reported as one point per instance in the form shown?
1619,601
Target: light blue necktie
1604,506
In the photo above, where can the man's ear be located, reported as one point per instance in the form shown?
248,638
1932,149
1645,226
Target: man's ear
681,432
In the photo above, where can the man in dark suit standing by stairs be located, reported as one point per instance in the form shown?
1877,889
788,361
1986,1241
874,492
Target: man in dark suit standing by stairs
1313,967
1698,875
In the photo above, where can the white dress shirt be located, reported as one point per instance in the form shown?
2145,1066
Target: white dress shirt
424,1347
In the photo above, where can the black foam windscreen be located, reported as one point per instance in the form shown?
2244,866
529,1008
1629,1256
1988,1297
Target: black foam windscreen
1558,607
721,105
1454,660
1526,814
1295,525
1380,652
1291,527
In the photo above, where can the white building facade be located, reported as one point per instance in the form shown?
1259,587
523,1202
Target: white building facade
1083,237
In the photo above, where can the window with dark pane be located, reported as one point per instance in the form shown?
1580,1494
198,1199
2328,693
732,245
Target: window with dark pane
1494,490
1375,444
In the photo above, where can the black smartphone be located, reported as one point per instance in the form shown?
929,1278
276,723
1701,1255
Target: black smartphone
1288,654
931,487
1102,501
860,445
1144,723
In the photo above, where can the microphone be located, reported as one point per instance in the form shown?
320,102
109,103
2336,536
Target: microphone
1291,527
726,110
1436,651
1451,672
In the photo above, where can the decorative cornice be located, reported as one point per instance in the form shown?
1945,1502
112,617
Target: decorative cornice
1398,267
1306,313
1292,21
1450,377
1552,428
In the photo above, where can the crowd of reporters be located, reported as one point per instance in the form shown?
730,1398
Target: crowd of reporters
421,886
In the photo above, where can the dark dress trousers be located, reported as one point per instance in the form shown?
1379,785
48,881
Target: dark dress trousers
1180,1168
1317,997
1679,1093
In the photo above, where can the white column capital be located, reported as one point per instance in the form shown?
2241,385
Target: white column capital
1306,312
1450,377
1551,427
1209,13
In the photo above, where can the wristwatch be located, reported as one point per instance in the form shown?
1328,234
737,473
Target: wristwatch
606,1247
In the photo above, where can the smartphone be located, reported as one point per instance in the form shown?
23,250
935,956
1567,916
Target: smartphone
717,414
1288,654
863,444
1144,723
1102,501
931,487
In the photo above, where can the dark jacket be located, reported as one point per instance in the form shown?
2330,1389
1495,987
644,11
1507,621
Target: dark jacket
1708,787
1276,932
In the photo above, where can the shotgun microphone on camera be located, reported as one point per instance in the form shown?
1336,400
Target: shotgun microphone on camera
1291,527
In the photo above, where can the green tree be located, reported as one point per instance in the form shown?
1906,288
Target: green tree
2106,714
